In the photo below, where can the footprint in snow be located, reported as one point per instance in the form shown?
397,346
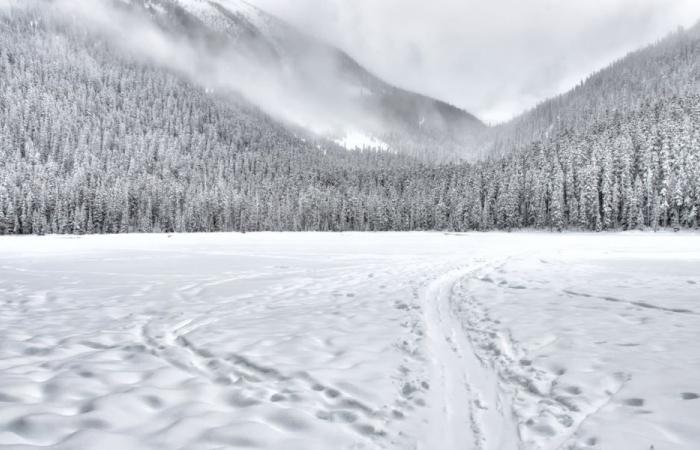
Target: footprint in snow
573,390
636,402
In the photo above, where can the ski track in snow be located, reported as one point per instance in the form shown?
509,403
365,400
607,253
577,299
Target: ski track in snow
467,406
356,341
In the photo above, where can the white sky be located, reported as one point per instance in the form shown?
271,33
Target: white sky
494,58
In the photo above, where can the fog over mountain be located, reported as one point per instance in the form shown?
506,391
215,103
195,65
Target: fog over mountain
231,48
496,58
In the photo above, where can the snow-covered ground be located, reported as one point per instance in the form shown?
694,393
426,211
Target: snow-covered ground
350,341
356,140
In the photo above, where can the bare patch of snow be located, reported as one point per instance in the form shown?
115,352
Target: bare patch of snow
356,140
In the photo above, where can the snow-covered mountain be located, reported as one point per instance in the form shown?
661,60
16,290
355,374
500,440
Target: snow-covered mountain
164,117
665,71
347,99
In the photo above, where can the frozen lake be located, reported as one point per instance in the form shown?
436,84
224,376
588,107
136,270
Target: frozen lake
350,341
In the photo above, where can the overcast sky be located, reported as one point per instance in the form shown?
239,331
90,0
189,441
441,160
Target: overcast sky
494,58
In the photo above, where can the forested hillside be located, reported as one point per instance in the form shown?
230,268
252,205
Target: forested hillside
665,70
95,141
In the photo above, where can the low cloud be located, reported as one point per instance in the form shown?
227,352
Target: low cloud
492,57
222,70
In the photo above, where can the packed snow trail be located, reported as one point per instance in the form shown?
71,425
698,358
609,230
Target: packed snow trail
350,341
467,409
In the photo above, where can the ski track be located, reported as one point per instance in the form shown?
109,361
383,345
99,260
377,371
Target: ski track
468,408
335,345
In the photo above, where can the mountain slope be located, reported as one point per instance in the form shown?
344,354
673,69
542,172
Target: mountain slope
347,97
667,69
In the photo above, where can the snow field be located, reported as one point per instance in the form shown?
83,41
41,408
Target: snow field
356,341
